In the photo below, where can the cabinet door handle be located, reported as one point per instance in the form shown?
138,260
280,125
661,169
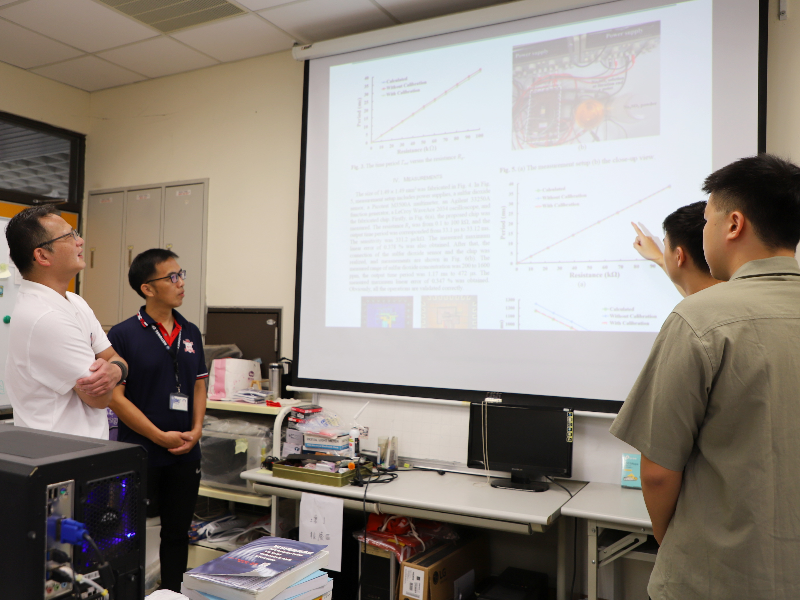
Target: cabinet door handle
130,259
91,258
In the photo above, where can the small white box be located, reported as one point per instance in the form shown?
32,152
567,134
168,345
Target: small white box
320,443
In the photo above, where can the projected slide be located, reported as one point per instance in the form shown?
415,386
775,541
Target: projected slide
491,185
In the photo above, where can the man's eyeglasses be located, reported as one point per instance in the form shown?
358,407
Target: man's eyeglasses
75,235
173,277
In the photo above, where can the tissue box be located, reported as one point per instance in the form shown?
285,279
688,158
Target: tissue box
631,471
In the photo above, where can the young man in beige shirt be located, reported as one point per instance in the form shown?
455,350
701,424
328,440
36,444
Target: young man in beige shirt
714,410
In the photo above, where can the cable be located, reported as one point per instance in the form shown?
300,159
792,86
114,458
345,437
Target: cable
75,593
363,548
485,438
551,480
389,477
81,579
93,544
106,572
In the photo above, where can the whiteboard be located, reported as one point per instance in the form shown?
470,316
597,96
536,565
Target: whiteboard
9,287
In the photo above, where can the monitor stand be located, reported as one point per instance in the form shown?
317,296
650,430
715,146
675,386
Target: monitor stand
518,481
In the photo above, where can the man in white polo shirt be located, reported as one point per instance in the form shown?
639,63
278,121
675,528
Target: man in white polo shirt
61,368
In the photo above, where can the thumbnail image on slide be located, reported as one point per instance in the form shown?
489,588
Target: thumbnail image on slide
450,312
387,312
587,88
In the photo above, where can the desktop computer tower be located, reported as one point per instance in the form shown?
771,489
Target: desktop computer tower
45,476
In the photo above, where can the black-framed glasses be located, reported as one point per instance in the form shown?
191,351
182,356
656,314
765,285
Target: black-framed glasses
173,277
75,235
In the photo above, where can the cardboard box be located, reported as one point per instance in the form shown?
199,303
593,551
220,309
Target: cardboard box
445,572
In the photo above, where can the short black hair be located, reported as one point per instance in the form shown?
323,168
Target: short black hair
684,228
25,233
144,266
766,189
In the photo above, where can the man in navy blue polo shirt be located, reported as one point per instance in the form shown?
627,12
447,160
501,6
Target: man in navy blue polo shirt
163,400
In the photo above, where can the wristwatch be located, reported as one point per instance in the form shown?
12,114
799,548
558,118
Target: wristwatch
122,368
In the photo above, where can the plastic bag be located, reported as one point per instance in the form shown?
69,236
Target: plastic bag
326,423
236,427
404,536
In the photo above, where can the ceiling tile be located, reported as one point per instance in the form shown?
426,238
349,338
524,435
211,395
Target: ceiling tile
236,38
25,49
259,4
317,20
88,73
83,24
158,57
414,10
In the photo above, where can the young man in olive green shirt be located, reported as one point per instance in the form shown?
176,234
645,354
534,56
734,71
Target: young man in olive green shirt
715,410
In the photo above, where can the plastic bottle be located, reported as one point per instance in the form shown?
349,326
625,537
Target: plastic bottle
354,443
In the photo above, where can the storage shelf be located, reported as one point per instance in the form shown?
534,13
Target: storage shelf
243,407
231,496
200,555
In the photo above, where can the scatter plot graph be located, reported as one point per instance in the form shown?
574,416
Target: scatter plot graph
552,227
405,107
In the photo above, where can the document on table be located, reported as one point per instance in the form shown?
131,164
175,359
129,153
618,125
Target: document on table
321,523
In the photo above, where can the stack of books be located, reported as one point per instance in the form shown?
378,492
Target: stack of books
269,568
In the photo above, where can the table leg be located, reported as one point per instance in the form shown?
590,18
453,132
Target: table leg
561,569
591,558
273,525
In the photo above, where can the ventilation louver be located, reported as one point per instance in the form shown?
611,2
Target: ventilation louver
171,15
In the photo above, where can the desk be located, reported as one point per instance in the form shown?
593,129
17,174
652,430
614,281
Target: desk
450,498
610,506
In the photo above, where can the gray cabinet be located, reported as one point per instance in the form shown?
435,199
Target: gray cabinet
122,223
102,250
143,226
184,214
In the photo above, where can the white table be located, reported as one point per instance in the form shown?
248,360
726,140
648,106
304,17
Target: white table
451,498
610,506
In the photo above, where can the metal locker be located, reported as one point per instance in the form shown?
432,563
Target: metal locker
184,234
142,232
102,249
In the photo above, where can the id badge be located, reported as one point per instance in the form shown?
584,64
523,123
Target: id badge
179,402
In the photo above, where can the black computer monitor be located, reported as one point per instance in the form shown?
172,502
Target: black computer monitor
530,442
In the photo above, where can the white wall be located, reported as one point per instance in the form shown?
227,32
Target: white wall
27,95
238,125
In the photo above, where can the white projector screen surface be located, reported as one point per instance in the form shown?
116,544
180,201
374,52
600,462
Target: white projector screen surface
469,197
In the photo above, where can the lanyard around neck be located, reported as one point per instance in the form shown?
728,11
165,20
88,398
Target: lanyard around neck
172,353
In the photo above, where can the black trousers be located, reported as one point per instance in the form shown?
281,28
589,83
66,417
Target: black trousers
172,491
